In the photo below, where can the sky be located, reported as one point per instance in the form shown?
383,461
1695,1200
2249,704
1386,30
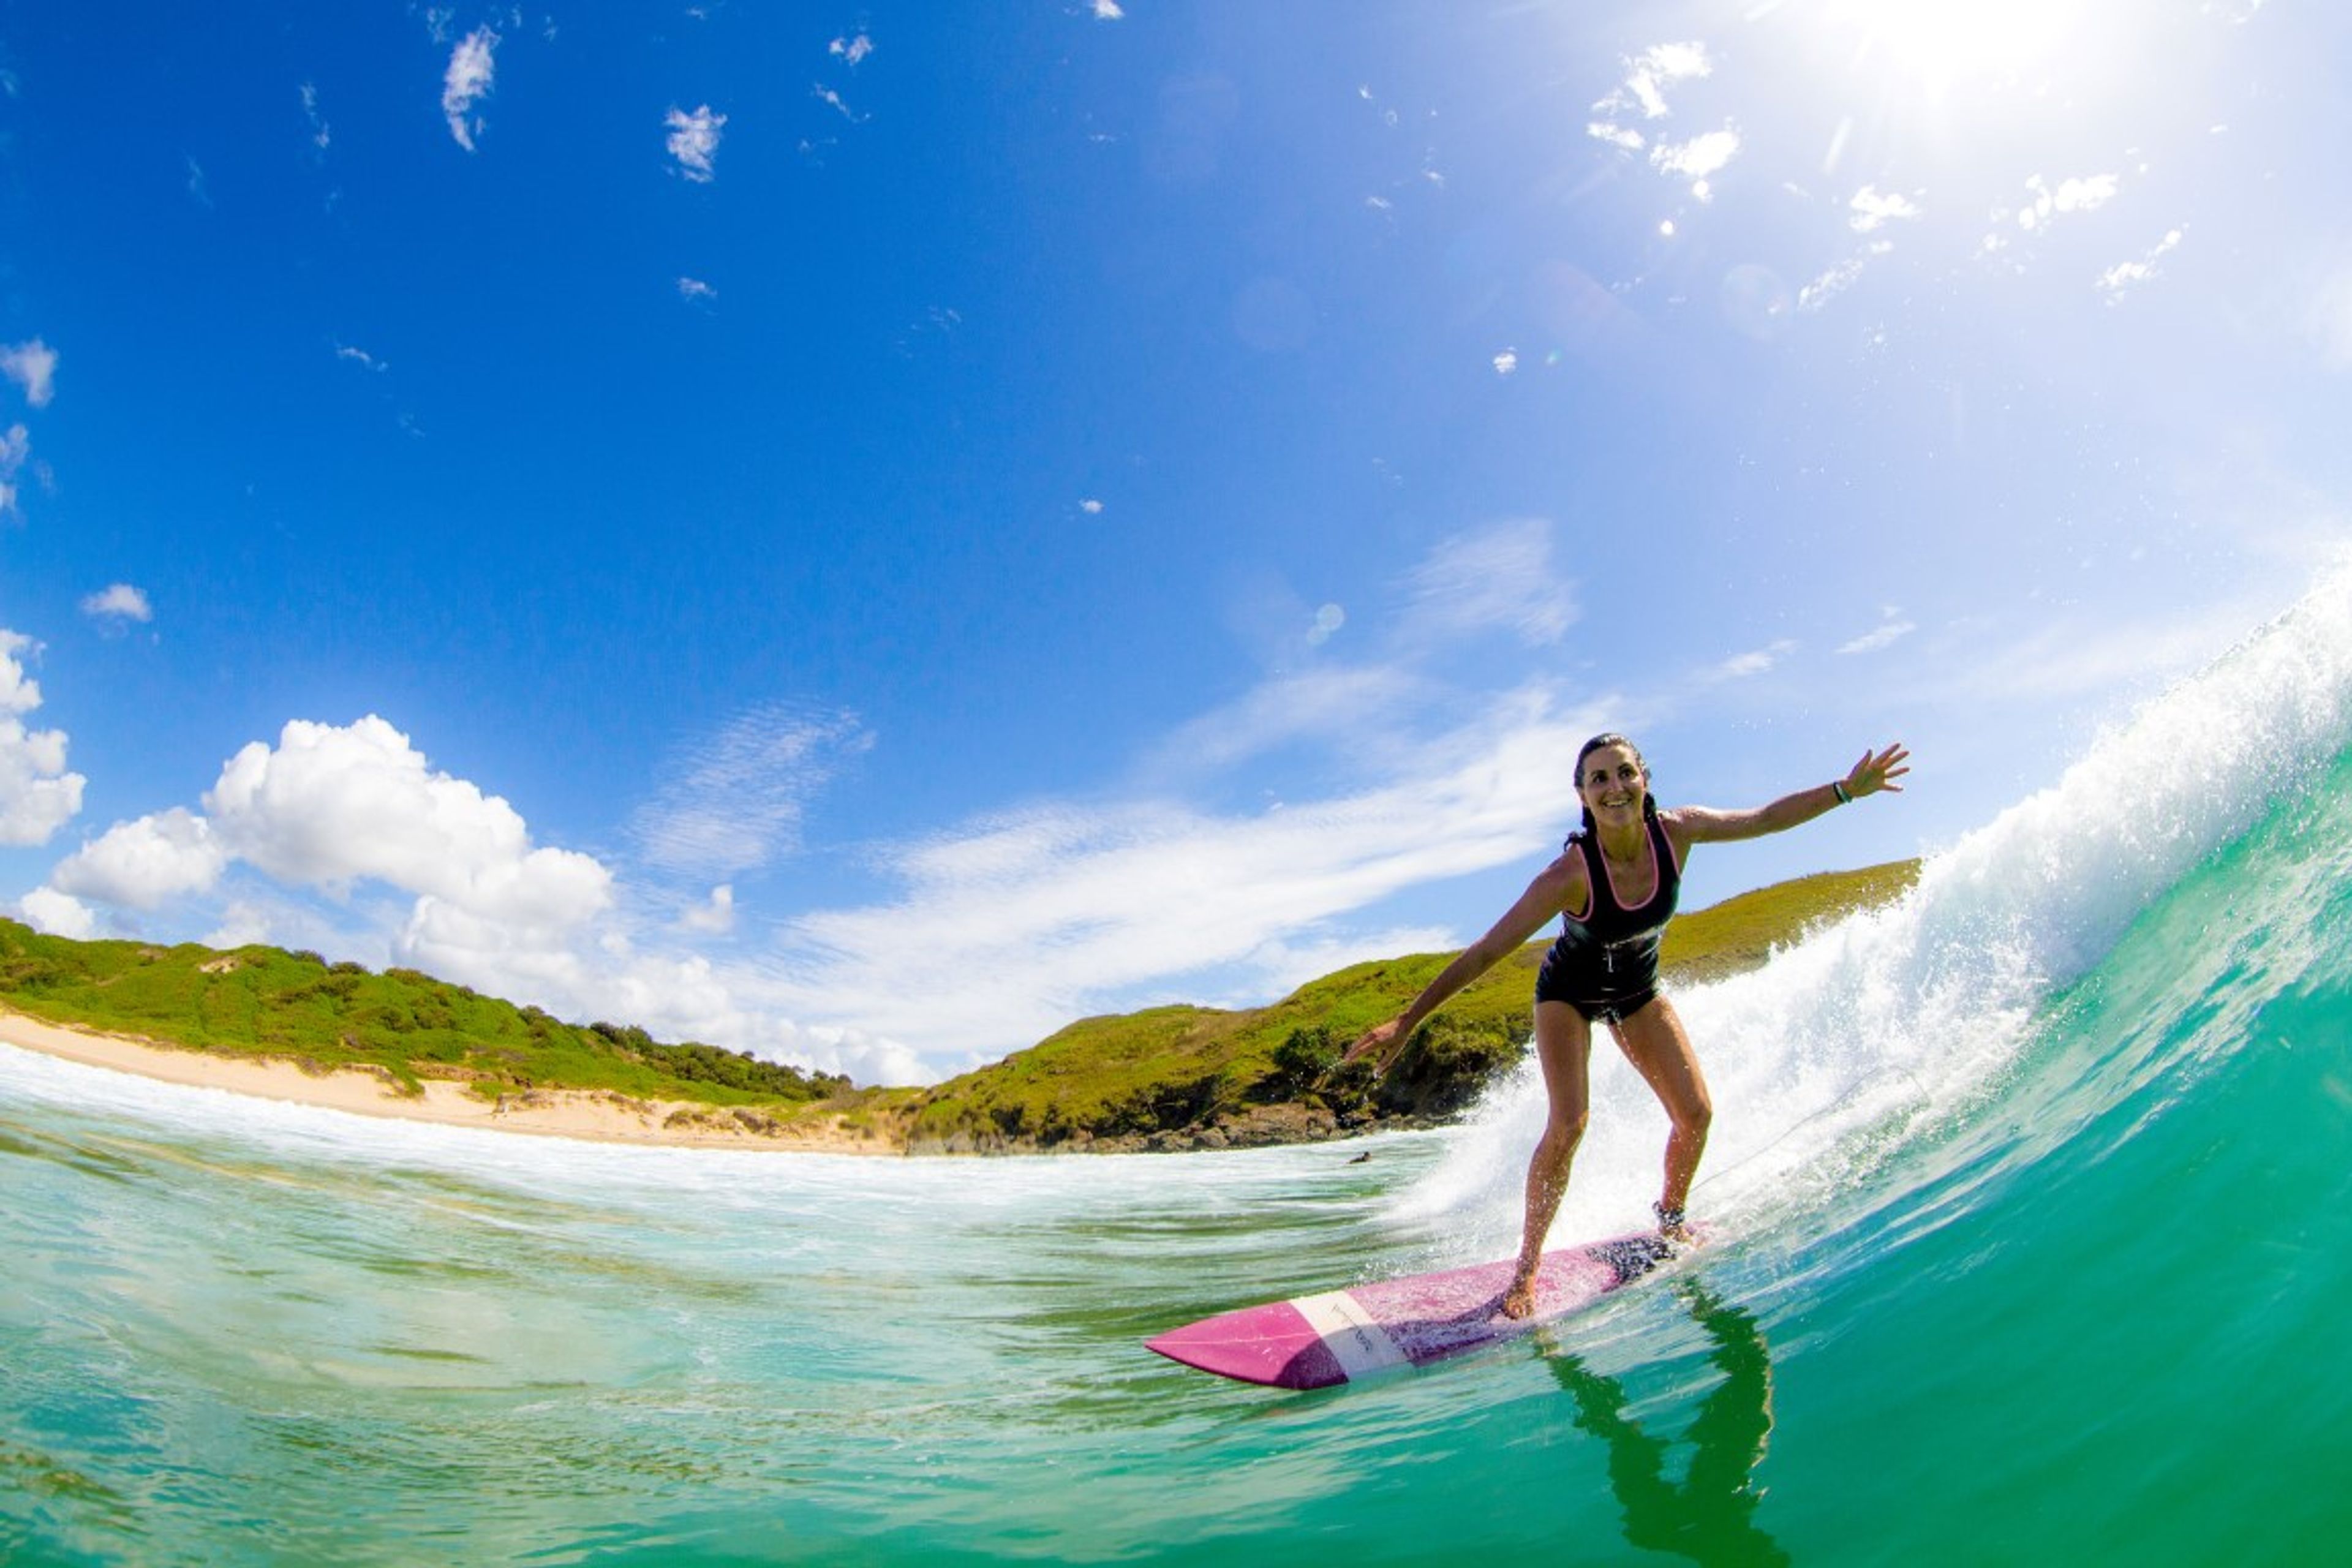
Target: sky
866,533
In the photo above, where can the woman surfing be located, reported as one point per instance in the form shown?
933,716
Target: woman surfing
1614,887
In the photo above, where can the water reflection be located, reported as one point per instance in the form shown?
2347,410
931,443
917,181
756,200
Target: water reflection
1710,1515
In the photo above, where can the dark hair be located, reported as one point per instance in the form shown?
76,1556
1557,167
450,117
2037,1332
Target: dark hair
1597,742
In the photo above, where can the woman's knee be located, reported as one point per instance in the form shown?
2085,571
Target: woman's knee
1563,1131
1696,1116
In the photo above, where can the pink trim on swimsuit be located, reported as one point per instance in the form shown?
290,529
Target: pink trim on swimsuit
1653,830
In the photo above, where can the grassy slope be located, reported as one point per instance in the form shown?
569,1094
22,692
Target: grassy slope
1112,1078
260,1001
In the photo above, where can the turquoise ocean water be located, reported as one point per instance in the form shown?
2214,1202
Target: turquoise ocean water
2031,1196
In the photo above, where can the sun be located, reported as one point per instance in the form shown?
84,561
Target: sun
1942,45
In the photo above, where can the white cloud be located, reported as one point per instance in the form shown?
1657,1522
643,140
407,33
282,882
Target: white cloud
1506,361
329,805
33,366
1108,11
355,808
145,864
694,142
1091,506
473,70
715,918
854,50
1697,158
59,914
2068,196
695,289
1873,209
358,357
1649,74
735,799
38,795
119,601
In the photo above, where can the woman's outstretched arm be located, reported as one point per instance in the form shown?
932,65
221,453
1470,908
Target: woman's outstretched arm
1874,772
1556,887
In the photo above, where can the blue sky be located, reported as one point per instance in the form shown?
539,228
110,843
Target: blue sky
866,533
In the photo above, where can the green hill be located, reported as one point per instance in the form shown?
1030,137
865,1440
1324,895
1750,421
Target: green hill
1185,1076
264,1002
1167,1077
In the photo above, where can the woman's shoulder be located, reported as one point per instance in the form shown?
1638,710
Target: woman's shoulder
1569,869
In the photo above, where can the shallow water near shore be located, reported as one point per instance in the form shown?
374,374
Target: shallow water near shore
2029,1195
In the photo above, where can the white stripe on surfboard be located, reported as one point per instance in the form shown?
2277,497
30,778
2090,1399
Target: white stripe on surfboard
1362,1344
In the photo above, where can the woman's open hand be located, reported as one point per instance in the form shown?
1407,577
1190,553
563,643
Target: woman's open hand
1877,773
1377,1042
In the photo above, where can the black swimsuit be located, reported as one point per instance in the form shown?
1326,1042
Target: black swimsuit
1605,964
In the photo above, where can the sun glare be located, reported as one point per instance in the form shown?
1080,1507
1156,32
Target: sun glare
1941,43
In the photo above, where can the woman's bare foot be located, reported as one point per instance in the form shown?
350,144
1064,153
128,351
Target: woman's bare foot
1520,1298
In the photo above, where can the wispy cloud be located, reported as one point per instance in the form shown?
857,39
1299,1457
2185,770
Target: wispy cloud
1840,278
695,289
15,450
1754,662
1055,913
852,49
2123,277
472,72
321,136
694,142
1892,629
1498,578
734,800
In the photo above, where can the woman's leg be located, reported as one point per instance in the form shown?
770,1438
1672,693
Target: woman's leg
1655,1041
1564,1045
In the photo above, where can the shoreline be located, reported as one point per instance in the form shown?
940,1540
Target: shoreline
598,1116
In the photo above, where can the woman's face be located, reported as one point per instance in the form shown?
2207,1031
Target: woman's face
1612,784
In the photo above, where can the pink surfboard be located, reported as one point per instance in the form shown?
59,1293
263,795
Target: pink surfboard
1316,1341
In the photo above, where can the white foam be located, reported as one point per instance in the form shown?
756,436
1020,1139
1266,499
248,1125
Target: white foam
1843,1045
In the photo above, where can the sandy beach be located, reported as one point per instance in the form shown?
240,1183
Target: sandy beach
600,1116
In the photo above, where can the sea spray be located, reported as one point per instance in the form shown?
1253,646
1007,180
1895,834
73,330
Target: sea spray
1828,1059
